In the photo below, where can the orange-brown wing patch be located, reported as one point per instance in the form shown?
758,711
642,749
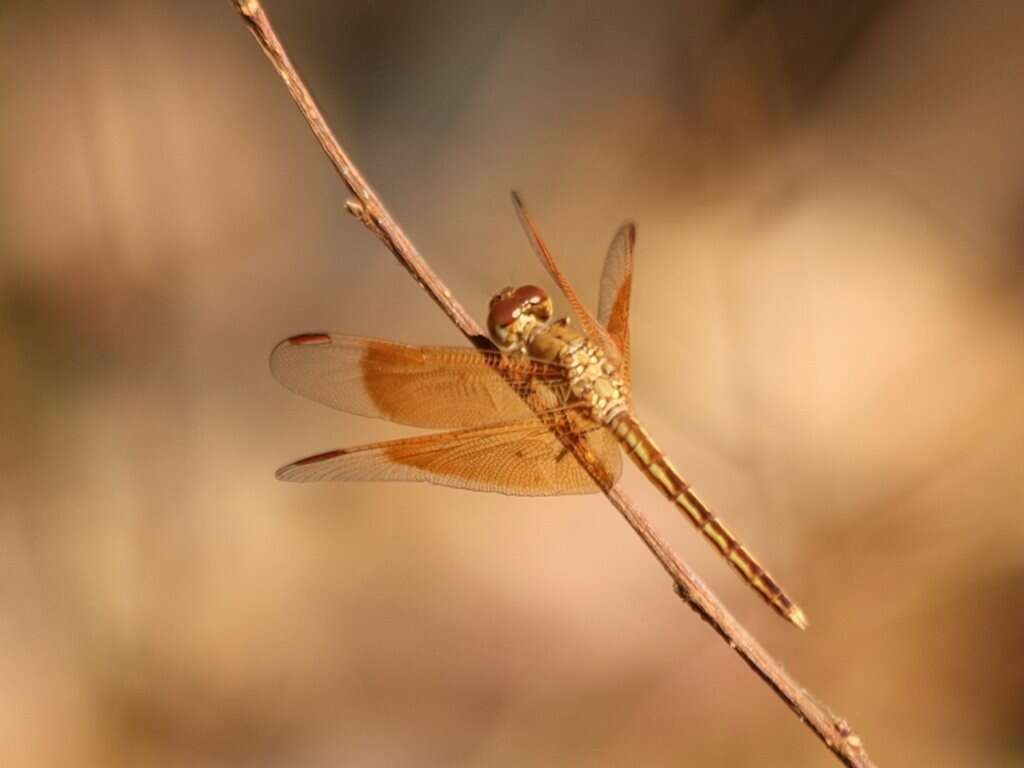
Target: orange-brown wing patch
522,458
616,287
433,387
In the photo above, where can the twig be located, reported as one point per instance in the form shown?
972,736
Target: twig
832,730
367,207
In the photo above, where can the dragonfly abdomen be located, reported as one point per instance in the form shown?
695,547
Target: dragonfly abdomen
645,453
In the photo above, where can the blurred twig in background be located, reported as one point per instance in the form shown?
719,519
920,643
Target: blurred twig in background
832,730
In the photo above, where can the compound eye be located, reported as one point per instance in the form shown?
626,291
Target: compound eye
529,294
504,293
503,314
535,301
504,311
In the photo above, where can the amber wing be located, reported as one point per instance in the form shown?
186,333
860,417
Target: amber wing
432,387
524,458
616,288
589,325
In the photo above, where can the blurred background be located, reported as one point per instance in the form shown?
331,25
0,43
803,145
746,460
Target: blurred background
827,340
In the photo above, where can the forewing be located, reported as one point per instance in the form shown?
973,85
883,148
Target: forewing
524,458
432,387
590,326
616,287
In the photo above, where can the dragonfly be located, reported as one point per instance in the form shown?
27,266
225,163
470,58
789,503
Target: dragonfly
548,411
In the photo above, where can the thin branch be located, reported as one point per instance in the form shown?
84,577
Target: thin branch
367,207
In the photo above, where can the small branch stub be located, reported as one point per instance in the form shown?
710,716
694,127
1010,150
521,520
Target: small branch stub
358,210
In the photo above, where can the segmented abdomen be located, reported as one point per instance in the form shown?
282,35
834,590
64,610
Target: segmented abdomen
653,463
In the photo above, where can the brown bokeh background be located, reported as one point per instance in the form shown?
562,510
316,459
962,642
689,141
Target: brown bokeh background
827,339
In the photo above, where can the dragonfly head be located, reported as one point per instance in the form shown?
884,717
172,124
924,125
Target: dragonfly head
517,311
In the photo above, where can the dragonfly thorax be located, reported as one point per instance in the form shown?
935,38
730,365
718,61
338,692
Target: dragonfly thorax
593,379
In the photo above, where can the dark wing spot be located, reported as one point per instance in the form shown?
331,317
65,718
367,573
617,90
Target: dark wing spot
309,338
